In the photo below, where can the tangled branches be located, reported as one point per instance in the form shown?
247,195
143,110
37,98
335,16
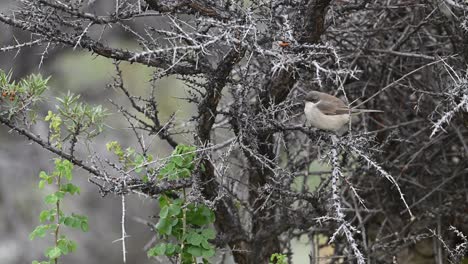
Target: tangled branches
246,67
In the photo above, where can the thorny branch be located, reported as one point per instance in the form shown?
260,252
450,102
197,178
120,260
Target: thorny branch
246,68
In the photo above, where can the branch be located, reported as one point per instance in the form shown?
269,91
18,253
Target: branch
187,7
50,148
103,50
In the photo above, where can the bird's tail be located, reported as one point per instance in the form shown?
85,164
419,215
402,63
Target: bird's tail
359,111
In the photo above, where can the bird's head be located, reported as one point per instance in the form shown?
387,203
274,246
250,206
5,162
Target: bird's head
312,97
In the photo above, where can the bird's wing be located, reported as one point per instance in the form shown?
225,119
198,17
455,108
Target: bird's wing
332,105
329,108
334,99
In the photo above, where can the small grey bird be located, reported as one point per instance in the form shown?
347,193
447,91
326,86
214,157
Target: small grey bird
328,112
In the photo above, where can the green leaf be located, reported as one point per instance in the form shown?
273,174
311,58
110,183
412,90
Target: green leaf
139,159
206,245
64,168
173,175
84,226
164,201
158,250
164,212
69,221
63,246
71,246
178,160
278,258
195,251
49,115
114,146
184,173
194,238
168,169
164,226
208,253
47,215
77,221
174,209
208,233
149,158
170,249
179,201
66,246
182,149
200,215
81,218
70,188
51,199
53,252
60,194
42,184
145,179
43,175
39,231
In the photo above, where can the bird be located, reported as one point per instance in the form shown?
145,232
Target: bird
327,112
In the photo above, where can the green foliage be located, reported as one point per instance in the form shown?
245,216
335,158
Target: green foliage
76,221
54,218
188,224
278,258
181,221
40,231
167,249
183,227
55,124
72,118
130,158
180,164
75,118
19,97
80,117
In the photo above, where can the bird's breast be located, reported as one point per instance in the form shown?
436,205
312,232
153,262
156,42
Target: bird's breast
317,119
